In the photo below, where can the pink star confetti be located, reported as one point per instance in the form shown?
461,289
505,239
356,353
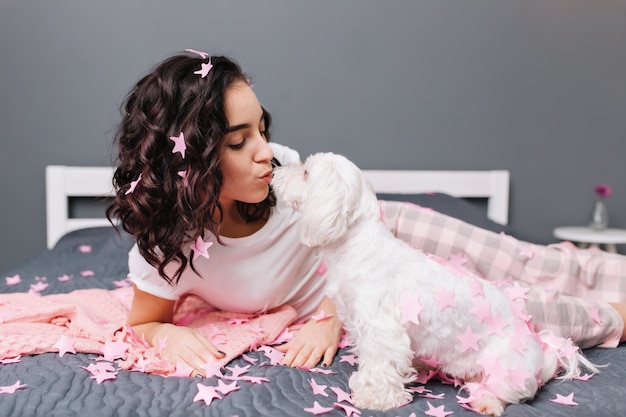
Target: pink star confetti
317,388
64,345
595,315
437,411
183,175
179,144
351,359
207,394
410,308
321,315
115,349
212,368
204,70
517,292
84,248
565,400
64,278
482,310
203,55
87,273
237,371
469,340
11,360
274,355
200,248
445,299
317,409
342,396
225,388
101,372
10,389
457,260
133,185
14,280
527,251
349,410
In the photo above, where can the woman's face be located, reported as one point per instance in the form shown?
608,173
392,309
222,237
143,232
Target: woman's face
247,156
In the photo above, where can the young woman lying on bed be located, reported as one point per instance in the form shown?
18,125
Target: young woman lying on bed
192,188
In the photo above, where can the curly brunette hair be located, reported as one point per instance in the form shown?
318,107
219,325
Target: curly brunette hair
176,199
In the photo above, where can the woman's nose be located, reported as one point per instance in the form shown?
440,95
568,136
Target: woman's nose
264,151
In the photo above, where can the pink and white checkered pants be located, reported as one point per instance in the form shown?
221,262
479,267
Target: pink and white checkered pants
569,288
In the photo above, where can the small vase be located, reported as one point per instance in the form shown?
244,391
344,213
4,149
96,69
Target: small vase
600,216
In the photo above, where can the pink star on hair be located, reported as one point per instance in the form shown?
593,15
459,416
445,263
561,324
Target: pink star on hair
206,393
565,400
183,175
432,361
469,340
318,409
131,189
204,70
179,144
10,389
203,55
200,248
65,345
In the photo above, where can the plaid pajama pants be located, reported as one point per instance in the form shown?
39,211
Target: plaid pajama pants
569,288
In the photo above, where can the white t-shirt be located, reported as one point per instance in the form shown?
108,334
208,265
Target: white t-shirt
251,274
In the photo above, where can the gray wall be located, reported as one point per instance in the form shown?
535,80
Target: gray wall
537,87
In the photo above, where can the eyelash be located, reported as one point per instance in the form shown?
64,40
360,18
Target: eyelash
240,144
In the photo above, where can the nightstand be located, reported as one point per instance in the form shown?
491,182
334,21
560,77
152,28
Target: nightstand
588,237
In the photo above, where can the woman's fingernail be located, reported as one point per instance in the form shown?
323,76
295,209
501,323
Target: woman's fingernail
221,353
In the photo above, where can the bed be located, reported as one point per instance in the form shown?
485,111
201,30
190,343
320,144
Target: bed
87,253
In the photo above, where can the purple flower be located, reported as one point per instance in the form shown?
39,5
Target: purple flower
603,190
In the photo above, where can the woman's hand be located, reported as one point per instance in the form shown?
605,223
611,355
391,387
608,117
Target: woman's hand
182,345
315,341
151,316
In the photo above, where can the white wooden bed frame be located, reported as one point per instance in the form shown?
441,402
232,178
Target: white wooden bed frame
63,182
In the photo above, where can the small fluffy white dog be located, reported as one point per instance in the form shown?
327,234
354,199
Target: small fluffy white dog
405,310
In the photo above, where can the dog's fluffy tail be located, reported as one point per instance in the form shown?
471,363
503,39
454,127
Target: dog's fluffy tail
562,359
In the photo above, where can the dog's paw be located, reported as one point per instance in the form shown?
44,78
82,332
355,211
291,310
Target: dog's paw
373,395
483,401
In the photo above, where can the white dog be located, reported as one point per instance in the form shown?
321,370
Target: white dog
405,310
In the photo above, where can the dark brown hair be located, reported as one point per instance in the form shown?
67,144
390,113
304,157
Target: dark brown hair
165,211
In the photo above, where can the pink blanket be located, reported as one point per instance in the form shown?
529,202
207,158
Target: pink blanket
93,321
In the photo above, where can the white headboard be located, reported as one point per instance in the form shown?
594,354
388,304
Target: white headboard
64,182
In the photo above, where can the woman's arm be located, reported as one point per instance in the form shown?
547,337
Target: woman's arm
151,316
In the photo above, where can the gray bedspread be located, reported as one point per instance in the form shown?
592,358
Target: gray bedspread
59,386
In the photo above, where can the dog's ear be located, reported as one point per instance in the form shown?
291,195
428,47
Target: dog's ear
334,196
